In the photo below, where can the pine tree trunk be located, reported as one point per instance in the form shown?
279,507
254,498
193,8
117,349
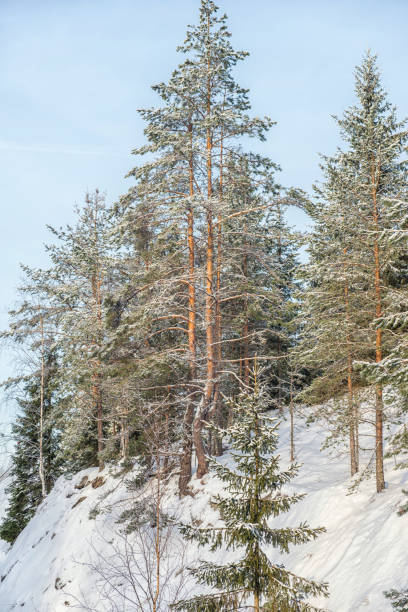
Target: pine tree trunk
42,385
166,458
156,594
185,462
96,388
255,517
216,442
216,446
379,406
256,602
353,426
280,407
292,424
202,466
124,435
96,394
245,330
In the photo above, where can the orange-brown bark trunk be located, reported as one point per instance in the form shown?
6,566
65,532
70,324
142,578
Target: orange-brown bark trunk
202,464
216,415
245,330
185,464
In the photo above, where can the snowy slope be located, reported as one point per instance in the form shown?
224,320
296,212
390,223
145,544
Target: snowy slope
363,553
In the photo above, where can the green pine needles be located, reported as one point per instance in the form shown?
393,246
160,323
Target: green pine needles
253,485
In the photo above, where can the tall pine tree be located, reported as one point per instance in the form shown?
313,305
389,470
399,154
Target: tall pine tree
180,280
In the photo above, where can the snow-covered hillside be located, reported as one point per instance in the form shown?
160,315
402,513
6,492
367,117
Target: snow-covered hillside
363,552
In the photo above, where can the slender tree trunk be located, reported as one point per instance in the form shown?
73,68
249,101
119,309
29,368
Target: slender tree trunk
255,518
245,329
216,416
205,407
280,407
166,445
122,438
279,376
100,433
292,419
185,462
379,405
97,401
157,536
124,435
353,426
209,288
42,385
202,464
256,602
96,388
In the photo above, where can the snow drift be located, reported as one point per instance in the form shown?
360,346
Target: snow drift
363,552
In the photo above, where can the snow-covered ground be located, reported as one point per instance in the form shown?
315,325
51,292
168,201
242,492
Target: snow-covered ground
363,552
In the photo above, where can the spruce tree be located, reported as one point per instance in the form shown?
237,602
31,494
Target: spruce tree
26,490
392,369
255,496
352,267
399,599
332,320
374,174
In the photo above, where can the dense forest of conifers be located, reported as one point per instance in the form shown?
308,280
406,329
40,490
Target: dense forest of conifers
156,311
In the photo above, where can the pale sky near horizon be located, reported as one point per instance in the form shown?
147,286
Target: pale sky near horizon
74,73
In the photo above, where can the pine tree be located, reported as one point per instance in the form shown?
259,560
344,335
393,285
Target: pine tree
26,489
69,303
254,485
174,220
74,290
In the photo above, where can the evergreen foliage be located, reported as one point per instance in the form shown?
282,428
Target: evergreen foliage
352,262
72,294
25,490
203,284
399,599
254,486
404,508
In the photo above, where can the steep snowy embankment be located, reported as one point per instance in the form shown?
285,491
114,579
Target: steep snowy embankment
364,551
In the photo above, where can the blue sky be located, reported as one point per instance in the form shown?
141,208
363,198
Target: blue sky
74,72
